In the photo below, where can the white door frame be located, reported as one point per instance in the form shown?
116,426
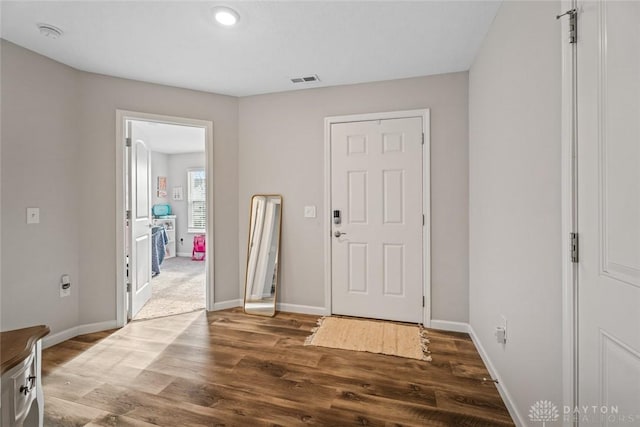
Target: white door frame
426,199
569,177
121,117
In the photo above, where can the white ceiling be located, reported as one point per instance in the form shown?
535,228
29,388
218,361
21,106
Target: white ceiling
177,43
172,139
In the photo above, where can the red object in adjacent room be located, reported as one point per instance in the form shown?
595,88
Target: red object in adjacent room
199,247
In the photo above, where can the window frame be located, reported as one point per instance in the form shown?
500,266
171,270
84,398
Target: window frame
190,227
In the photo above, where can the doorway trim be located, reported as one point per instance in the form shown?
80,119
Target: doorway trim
121,117
569,209
426,199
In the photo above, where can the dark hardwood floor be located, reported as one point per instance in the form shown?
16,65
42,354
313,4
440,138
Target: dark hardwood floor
230,369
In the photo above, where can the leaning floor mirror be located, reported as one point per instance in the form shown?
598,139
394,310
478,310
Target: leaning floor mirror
261,281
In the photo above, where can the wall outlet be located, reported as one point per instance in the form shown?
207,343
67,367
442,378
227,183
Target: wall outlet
33,215
501,330
65,286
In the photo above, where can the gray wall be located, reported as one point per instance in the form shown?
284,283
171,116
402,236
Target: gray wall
281,151
514,209
100,97
64,134
39,169
58,146
159,167
178,165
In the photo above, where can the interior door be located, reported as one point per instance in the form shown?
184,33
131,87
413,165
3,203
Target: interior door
376,189
140,223
608,141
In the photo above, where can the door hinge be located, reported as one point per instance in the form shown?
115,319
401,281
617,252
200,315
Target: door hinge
574,247
423,300
128,214
423,220
128,287
128,142
573,24
422,138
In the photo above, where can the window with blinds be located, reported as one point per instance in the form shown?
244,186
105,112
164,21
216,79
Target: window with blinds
197,200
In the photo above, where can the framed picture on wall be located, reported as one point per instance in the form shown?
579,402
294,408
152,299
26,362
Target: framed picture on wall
162,186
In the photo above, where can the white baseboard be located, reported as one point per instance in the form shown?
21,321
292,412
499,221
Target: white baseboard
58,337
447,325
290,308
302,309
90,328
504,393
184,254
223,305
67,334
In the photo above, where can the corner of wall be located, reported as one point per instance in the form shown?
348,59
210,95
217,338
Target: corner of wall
514,190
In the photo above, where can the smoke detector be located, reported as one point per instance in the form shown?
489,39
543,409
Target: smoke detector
306,79
50,31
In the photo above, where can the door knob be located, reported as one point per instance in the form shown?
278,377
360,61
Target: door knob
338,233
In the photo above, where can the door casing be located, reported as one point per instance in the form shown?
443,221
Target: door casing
569,209
121,117
426,200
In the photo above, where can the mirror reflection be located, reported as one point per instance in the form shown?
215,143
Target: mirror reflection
262,255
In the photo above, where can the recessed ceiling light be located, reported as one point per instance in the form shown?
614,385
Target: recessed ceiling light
226,16
49,31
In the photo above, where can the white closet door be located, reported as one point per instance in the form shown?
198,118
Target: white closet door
609,209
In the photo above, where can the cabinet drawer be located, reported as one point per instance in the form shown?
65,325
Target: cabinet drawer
22,388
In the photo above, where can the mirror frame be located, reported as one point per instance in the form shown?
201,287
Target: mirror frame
277,272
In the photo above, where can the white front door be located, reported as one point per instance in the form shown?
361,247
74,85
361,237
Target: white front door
140,223
376,189
608,141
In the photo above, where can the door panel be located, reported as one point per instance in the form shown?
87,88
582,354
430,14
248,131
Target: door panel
376,183
142,273
357,197
141,180
392,196
140,225
609,205
394,267
358,264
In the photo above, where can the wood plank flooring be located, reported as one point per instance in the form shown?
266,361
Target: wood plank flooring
229,369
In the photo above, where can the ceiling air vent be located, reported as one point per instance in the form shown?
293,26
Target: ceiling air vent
306,79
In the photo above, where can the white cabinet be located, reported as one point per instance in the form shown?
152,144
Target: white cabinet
169,223
22,402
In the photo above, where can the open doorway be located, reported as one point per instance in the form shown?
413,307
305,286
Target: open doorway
178,210
165,228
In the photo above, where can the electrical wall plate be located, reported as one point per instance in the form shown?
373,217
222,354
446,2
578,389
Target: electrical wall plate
33,215
65,286
309,211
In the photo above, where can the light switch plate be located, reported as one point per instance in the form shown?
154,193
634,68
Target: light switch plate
33,215
309,211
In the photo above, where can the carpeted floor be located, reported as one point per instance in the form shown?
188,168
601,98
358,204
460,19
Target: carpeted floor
179,288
